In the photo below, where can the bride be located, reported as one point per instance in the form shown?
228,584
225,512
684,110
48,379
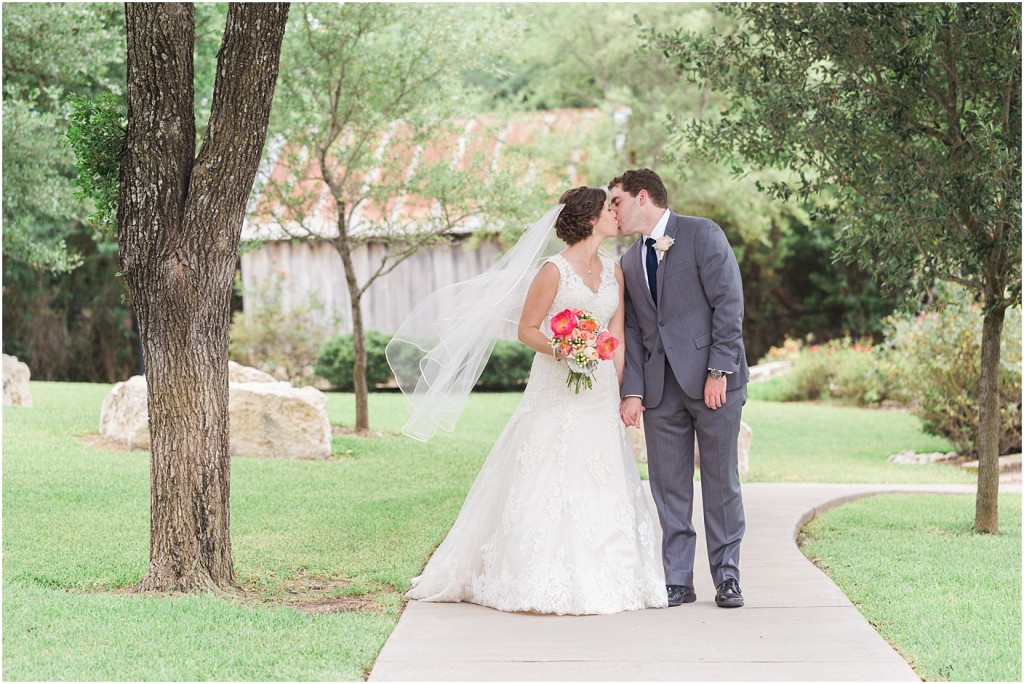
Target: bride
556,521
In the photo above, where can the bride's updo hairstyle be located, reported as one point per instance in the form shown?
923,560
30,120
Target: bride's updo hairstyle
583,206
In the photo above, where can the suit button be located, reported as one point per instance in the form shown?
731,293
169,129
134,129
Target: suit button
661,351
661,323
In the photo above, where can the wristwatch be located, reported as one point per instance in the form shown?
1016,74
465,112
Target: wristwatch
716,374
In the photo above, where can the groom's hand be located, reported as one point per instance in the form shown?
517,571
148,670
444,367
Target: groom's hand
714,392
630,410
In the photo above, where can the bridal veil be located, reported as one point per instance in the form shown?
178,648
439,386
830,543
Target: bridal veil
441,348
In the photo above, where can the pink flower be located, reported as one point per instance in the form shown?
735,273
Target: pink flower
606,345
563,323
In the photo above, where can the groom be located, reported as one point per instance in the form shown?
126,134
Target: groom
686,373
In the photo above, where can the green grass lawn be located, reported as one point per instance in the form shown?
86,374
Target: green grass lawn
803,442
949,600
75,535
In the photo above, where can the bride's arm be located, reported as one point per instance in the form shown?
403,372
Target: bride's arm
535,308
617,326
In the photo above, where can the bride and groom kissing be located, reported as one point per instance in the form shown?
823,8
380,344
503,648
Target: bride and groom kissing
557,520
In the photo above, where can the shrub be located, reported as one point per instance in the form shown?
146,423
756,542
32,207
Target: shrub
840,370
936,359
789,351
278,339
338,357
508,369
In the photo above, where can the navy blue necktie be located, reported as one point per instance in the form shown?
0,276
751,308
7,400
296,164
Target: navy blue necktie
652,269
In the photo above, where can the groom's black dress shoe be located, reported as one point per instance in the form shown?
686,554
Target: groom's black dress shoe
729,594
679,594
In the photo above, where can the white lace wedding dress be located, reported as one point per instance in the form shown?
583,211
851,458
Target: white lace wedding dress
557,521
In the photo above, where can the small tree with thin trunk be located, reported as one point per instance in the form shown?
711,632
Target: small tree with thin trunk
180,218
910,114
367,97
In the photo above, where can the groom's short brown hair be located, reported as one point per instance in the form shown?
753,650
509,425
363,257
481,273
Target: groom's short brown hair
635,180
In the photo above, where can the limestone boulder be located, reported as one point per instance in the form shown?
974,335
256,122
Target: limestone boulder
16,376
742,447
276,420
268,418
125,413
769,370
239,373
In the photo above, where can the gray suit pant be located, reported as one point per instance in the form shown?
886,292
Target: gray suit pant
669,429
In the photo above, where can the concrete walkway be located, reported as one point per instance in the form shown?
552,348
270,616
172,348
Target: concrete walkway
796,625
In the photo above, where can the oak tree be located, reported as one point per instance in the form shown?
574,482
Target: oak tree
179,219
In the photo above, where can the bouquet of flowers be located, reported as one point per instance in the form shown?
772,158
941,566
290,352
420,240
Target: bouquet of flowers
579,339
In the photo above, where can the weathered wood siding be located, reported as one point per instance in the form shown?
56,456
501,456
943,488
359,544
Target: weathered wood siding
307,268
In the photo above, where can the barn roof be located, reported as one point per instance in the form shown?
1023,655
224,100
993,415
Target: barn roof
486,137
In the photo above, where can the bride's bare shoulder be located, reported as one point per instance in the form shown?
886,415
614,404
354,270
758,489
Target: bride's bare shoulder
548,274
544,285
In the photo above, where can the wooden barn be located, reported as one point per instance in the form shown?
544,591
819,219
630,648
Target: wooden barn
309,267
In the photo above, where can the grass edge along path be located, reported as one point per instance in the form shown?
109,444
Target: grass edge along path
947,599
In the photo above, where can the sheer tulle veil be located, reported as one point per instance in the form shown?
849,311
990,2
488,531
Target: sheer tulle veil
441,348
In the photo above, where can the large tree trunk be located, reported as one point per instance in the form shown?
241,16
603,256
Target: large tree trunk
180,218
986,511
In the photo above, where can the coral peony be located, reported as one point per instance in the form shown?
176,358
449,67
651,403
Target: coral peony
563,323
606,345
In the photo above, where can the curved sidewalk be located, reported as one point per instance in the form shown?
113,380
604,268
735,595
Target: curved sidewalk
796,625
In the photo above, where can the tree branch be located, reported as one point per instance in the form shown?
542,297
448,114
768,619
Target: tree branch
235,135
966,282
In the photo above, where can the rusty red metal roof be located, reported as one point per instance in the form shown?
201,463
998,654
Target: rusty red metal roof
478,145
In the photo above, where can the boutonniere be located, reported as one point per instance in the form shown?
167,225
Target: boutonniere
661,246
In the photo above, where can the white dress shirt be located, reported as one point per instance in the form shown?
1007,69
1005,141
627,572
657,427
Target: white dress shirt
657,232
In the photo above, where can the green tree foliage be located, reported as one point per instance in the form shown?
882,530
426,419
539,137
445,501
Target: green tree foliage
39,209
362,87
586,56
63,311
791,285
63,121
39,42
96,135
909,116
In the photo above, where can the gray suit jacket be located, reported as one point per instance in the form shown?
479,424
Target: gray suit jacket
699,322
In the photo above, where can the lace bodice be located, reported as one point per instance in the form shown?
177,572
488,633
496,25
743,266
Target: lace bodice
547,376
573,293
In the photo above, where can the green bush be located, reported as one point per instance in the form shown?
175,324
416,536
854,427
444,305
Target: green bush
338,357
936,359
279,339
843,370
508,369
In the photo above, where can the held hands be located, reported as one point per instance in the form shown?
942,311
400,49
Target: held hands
714,392
630,410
